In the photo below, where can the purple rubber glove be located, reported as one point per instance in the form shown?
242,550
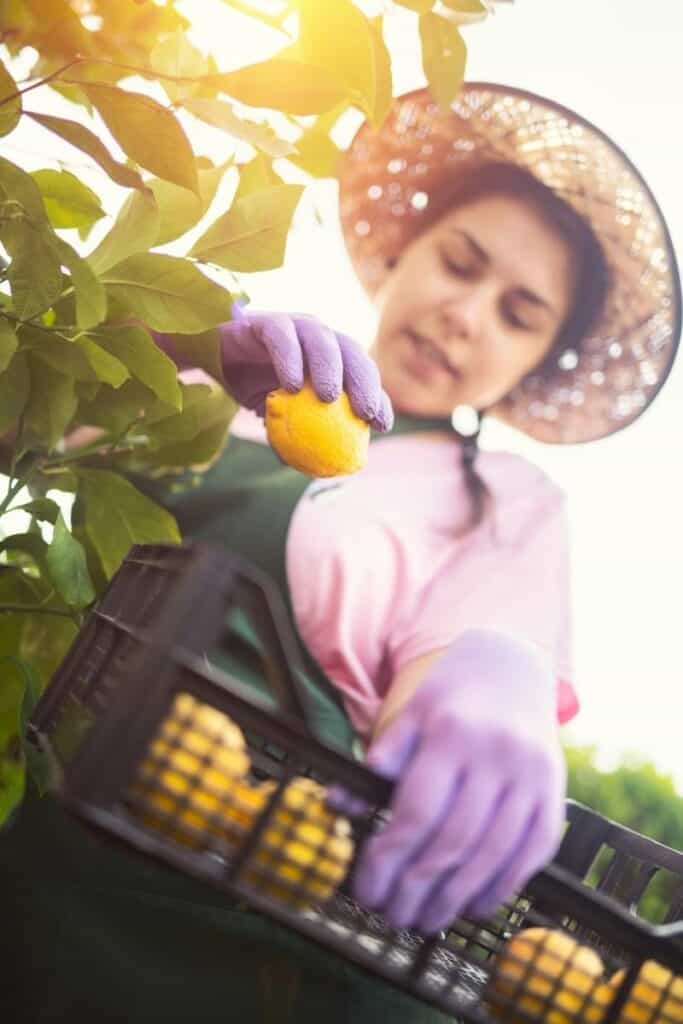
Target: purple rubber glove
479,803
265,351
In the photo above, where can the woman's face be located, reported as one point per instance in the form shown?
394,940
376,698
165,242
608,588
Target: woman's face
473,304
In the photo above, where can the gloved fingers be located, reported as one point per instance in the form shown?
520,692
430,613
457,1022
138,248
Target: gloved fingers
420,801
469,812
323,357
538,846
384,420
455,892
386,757
279,337
251,387
389,753
339,799
239,304
361,379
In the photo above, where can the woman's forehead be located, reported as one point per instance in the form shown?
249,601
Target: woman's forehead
513,236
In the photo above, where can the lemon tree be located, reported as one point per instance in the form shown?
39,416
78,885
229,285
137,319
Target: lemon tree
86,395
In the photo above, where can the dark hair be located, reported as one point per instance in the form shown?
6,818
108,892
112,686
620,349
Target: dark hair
507,179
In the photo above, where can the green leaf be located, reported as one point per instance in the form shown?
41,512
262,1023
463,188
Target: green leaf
200,350
255,176
252,235
21,187
72,94
45,642
95,569
168,293
197,453
35,274
31,544
37,763
68,202
342,39
10,109
51,405
179,209
91,298
421,6
198,435
135,348
444,56
222,115
82,358
175,55
106,367
15,590
43,509
135,229
156,217
192,438
82,138
57,351
146,131
317,154
281,83
114,410
12,764
466,6
68,569
15,384
117,516
383,78
203,406
88,390
8,344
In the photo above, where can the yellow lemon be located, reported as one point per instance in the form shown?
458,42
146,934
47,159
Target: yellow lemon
549,977
318,438
305,850
190,769
656,995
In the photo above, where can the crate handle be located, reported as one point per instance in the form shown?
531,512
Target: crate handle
253,592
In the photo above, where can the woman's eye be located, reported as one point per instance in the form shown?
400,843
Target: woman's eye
460,269
515,321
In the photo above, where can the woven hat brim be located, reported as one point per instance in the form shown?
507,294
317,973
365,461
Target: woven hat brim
388,176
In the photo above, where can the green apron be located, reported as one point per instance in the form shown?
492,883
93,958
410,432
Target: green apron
91,930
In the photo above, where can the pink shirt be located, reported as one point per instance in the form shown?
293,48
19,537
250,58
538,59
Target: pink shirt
377,576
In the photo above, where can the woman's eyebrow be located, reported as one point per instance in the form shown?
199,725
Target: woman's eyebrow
524,293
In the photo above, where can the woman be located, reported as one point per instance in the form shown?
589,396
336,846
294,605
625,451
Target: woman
521,268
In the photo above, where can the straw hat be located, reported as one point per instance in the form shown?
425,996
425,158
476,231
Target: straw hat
388,177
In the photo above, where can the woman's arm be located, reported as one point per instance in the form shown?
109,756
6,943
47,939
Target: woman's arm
405,683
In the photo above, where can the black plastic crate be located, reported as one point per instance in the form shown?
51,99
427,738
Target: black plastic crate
139,724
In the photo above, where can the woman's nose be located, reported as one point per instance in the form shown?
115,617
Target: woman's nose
464,314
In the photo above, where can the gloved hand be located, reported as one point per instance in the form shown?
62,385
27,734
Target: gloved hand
265,351
479,803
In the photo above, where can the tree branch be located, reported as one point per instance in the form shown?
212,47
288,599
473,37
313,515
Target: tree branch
271,20
41,81
33,609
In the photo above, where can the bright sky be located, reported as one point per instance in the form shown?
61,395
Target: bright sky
618,63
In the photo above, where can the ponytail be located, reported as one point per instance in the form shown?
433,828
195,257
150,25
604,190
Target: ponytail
477,488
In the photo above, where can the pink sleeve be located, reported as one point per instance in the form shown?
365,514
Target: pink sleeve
515,580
